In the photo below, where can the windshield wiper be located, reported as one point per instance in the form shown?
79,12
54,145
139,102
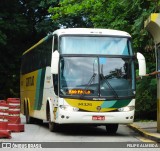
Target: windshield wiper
90,81
109,85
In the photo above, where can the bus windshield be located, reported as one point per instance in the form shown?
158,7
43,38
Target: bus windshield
97,77
95,45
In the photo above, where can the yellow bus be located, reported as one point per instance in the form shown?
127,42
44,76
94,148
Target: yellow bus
80,76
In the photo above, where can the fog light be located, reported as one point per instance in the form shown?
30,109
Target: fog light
62,116
131,117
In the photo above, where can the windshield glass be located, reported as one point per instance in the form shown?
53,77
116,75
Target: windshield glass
96,77
116,77
95,45
78,76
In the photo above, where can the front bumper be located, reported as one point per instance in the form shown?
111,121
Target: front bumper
66,117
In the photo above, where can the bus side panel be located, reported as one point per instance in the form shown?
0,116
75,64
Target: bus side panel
32,85
28,83
37,91
48,93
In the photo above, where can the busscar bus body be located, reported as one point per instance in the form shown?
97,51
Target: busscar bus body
80,76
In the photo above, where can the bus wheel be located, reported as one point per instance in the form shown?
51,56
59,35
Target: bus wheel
111,128
53,127
29,120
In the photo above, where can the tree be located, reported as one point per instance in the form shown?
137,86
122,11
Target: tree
123,15
12,27
22,23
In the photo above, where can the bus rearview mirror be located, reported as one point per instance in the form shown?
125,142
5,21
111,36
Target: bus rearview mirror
55,62
141,64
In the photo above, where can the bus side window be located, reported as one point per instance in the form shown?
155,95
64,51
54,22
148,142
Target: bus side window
55,83
55,76
55,44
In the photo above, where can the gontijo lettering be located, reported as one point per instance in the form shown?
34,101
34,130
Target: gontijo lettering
30,81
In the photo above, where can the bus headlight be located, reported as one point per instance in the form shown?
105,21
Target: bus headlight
126,109
68,108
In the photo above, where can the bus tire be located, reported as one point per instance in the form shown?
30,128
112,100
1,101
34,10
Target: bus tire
111,128
53,127
29,120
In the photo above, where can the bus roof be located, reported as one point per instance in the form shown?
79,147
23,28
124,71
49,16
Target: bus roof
91,31
81,31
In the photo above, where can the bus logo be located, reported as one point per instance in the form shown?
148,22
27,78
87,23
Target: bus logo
98,108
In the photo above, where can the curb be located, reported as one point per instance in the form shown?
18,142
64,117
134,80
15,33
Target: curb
144,133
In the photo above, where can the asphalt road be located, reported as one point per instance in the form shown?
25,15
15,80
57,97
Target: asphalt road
73,133
80,134
40,132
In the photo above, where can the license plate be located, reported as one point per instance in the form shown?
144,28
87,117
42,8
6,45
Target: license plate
101,118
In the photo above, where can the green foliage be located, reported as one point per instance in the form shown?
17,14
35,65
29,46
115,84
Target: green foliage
146,99
123,15
146,94
3,38
22,23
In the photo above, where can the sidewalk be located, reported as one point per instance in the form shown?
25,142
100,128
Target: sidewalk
146,129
